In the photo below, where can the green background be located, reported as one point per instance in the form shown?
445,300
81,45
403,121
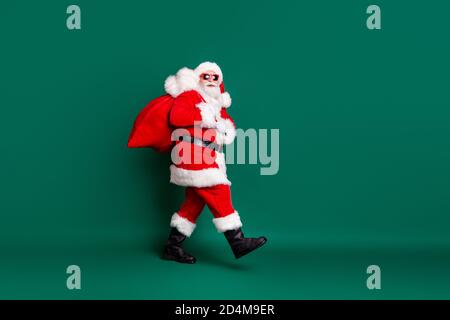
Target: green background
364,149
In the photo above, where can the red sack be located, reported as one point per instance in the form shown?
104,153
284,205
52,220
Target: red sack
151,127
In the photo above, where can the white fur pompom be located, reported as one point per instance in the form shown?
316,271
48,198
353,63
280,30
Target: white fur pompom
171,86
226,99
187,79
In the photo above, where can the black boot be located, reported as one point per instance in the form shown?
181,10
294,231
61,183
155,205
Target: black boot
241,245
173,249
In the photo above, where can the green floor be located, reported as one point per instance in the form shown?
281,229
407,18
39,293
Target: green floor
113,268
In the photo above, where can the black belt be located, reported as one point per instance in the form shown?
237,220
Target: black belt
201,143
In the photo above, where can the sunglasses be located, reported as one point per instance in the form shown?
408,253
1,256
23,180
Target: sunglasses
207,76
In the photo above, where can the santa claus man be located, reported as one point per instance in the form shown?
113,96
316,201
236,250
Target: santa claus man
203,126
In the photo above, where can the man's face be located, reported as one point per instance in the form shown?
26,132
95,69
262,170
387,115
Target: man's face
209,79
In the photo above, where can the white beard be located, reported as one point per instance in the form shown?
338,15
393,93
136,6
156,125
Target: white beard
211,92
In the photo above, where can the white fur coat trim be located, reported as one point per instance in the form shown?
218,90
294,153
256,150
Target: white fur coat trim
201,178
208,113
197,178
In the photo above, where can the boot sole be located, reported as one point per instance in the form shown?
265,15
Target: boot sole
172,258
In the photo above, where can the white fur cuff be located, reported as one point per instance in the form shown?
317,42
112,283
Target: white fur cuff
226,132
182,224
198,178
229,222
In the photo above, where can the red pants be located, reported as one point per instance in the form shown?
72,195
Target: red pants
218,200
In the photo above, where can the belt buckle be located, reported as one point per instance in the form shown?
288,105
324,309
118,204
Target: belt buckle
198,142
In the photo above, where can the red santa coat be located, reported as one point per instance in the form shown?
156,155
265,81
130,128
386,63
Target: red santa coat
202,117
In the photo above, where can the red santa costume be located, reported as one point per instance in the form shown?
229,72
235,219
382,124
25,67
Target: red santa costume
202,126
206,179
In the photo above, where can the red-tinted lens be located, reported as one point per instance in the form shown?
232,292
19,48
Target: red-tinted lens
216,77
206,76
